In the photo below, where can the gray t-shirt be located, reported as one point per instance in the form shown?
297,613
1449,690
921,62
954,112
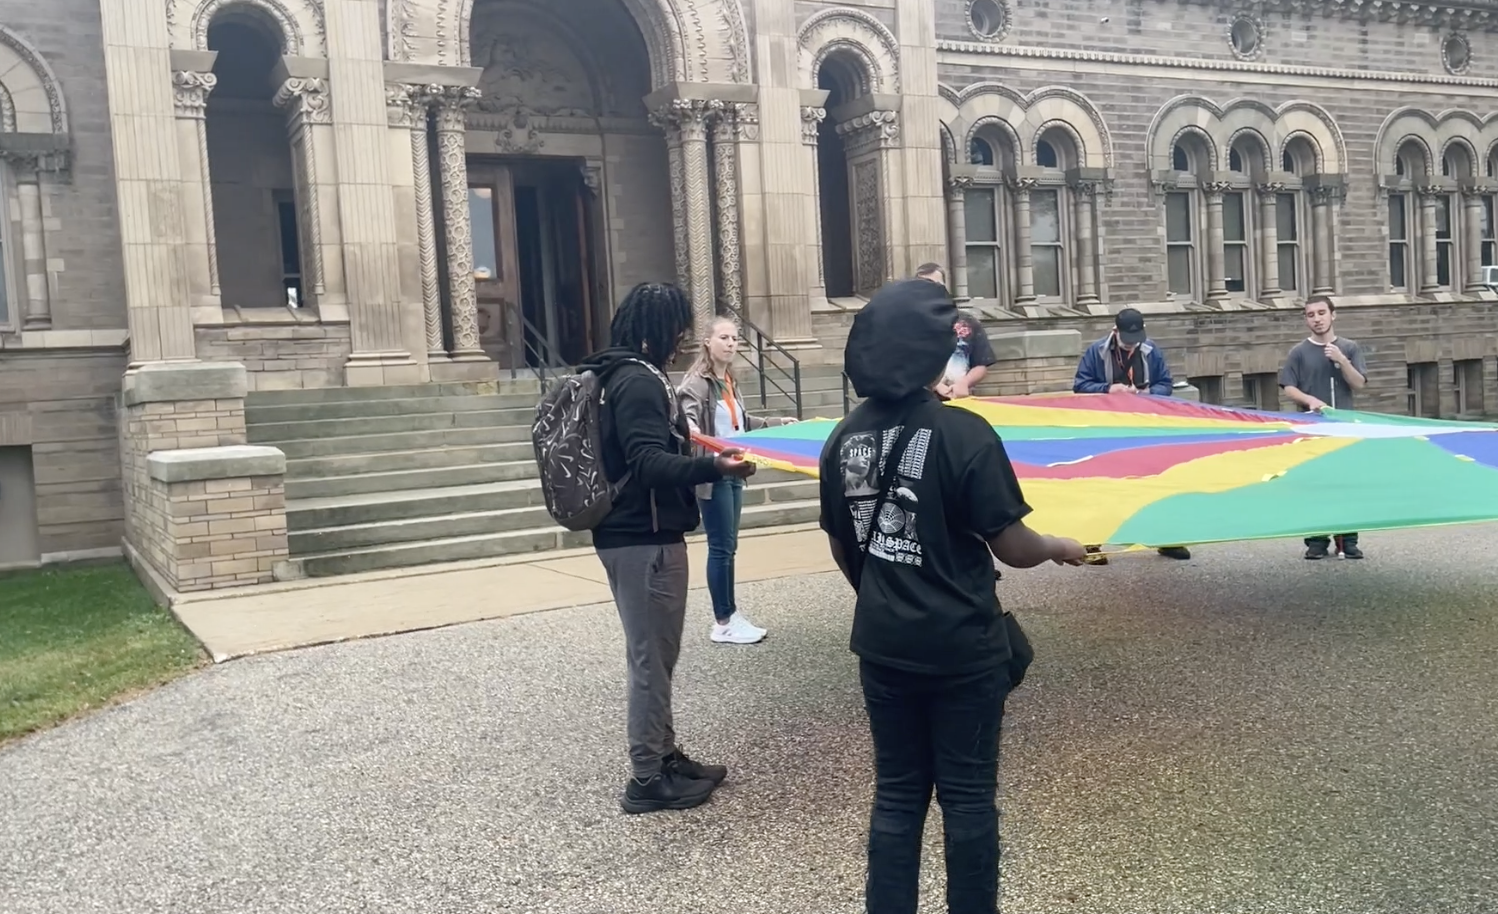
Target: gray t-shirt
1309,370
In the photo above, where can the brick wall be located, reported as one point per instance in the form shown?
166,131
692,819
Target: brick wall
69,398
79,213
280,356
1200,30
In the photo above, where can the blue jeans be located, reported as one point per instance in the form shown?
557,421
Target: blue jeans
720,519
941,732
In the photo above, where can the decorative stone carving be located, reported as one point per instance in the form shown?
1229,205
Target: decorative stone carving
726,167
1216,188
855,31
592,172
746,121
305,100
869,232
1272,188
452,105
959,184
811,124
190,91
401,105
1325,195
870,130
45,76
687,121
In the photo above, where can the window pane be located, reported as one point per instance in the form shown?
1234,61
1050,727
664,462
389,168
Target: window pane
982,272
1178,216
1045,217
978,206
1232,217
1443,264
1396,217
1396,265
1287,223
1233,268
1047,270
1289,267
1443,217
481,217
1487,217
1179,259
291,259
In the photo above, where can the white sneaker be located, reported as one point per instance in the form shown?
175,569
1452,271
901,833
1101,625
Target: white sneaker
737,631
742,620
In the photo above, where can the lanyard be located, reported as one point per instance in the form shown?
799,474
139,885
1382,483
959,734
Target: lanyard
731,400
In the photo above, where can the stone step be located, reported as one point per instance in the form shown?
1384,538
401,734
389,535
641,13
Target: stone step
395,392
276,432
303,448
311,514
429,458
349,510
356,409
489,545
365,483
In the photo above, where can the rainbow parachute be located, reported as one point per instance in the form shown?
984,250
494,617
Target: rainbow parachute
1134,470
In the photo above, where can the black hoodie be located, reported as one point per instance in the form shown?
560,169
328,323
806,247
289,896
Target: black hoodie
926,601
658,504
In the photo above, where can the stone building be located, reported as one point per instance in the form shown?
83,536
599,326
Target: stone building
215,202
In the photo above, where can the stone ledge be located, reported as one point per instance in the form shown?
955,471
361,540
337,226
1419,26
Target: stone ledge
234,462
1037,344
169,382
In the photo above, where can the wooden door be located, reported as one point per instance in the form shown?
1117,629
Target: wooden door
496,262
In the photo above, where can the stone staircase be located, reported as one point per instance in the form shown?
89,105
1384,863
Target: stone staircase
390,477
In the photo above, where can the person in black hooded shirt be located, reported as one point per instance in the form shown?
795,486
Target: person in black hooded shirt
642,541
918,498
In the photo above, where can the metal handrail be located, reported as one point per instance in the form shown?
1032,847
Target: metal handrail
761,342
547,359
847,394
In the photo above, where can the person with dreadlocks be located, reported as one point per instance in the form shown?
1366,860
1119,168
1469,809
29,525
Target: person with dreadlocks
641,543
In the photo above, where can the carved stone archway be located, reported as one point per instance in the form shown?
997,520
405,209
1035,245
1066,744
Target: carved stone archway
300,22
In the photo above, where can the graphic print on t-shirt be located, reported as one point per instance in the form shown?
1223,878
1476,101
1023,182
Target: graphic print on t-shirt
894,536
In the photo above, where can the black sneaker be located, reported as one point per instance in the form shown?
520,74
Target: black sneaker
1317,551
678,762
667,790
1351,551
1179,553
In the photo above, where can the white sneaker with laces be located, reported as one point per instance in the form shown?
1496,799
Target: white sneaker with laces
736,631
743,620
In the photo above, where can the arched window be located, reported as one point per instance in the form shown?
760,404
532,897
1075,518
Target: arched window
1409,166
1242,274
1050,216
840,75
1298,160
1185,214
1456,164
988,216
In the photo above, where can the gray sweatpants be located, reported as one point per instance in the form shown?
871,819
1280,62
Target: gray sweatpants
650,591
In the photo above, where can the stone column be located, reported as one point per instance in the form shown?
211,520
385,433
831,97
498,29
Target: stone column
191,90
1084,193
811,125
728,130
1269,239
1023,256
306,103
1472,207
957,233
410,108
147,180
1428,239
452,150
687,119
680,238
1217,289
37,310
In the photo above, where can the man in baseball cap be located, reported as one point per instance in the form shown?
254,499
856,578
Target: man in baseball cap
1126,361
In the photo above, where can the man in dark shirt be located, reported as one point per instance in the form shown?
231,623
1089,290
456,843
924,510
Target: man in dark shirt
917,500
641,542
1324,365
971,357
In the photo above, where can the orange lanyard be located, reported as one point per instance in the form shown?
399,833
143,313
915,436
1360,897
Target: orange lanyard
731,400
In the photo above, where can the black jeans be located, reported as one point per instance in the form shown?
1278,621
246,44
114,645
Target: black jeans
942,732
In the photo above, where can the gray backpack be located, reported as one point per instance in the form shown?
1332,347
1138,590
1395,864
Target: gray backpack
568,437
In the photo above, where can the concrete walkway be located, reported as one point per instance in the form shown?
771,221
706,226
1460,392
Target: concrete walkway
1245,733
322,610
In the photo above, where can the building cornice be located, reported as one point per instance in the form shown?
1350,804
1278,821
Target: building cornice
1474,15
1200,63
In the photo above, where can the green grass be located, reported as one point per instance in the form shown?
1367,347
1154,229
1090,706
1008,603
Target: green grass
72,640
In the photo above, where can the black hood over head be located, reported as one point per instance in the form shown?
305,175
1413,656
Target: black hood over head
901,340
604,360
